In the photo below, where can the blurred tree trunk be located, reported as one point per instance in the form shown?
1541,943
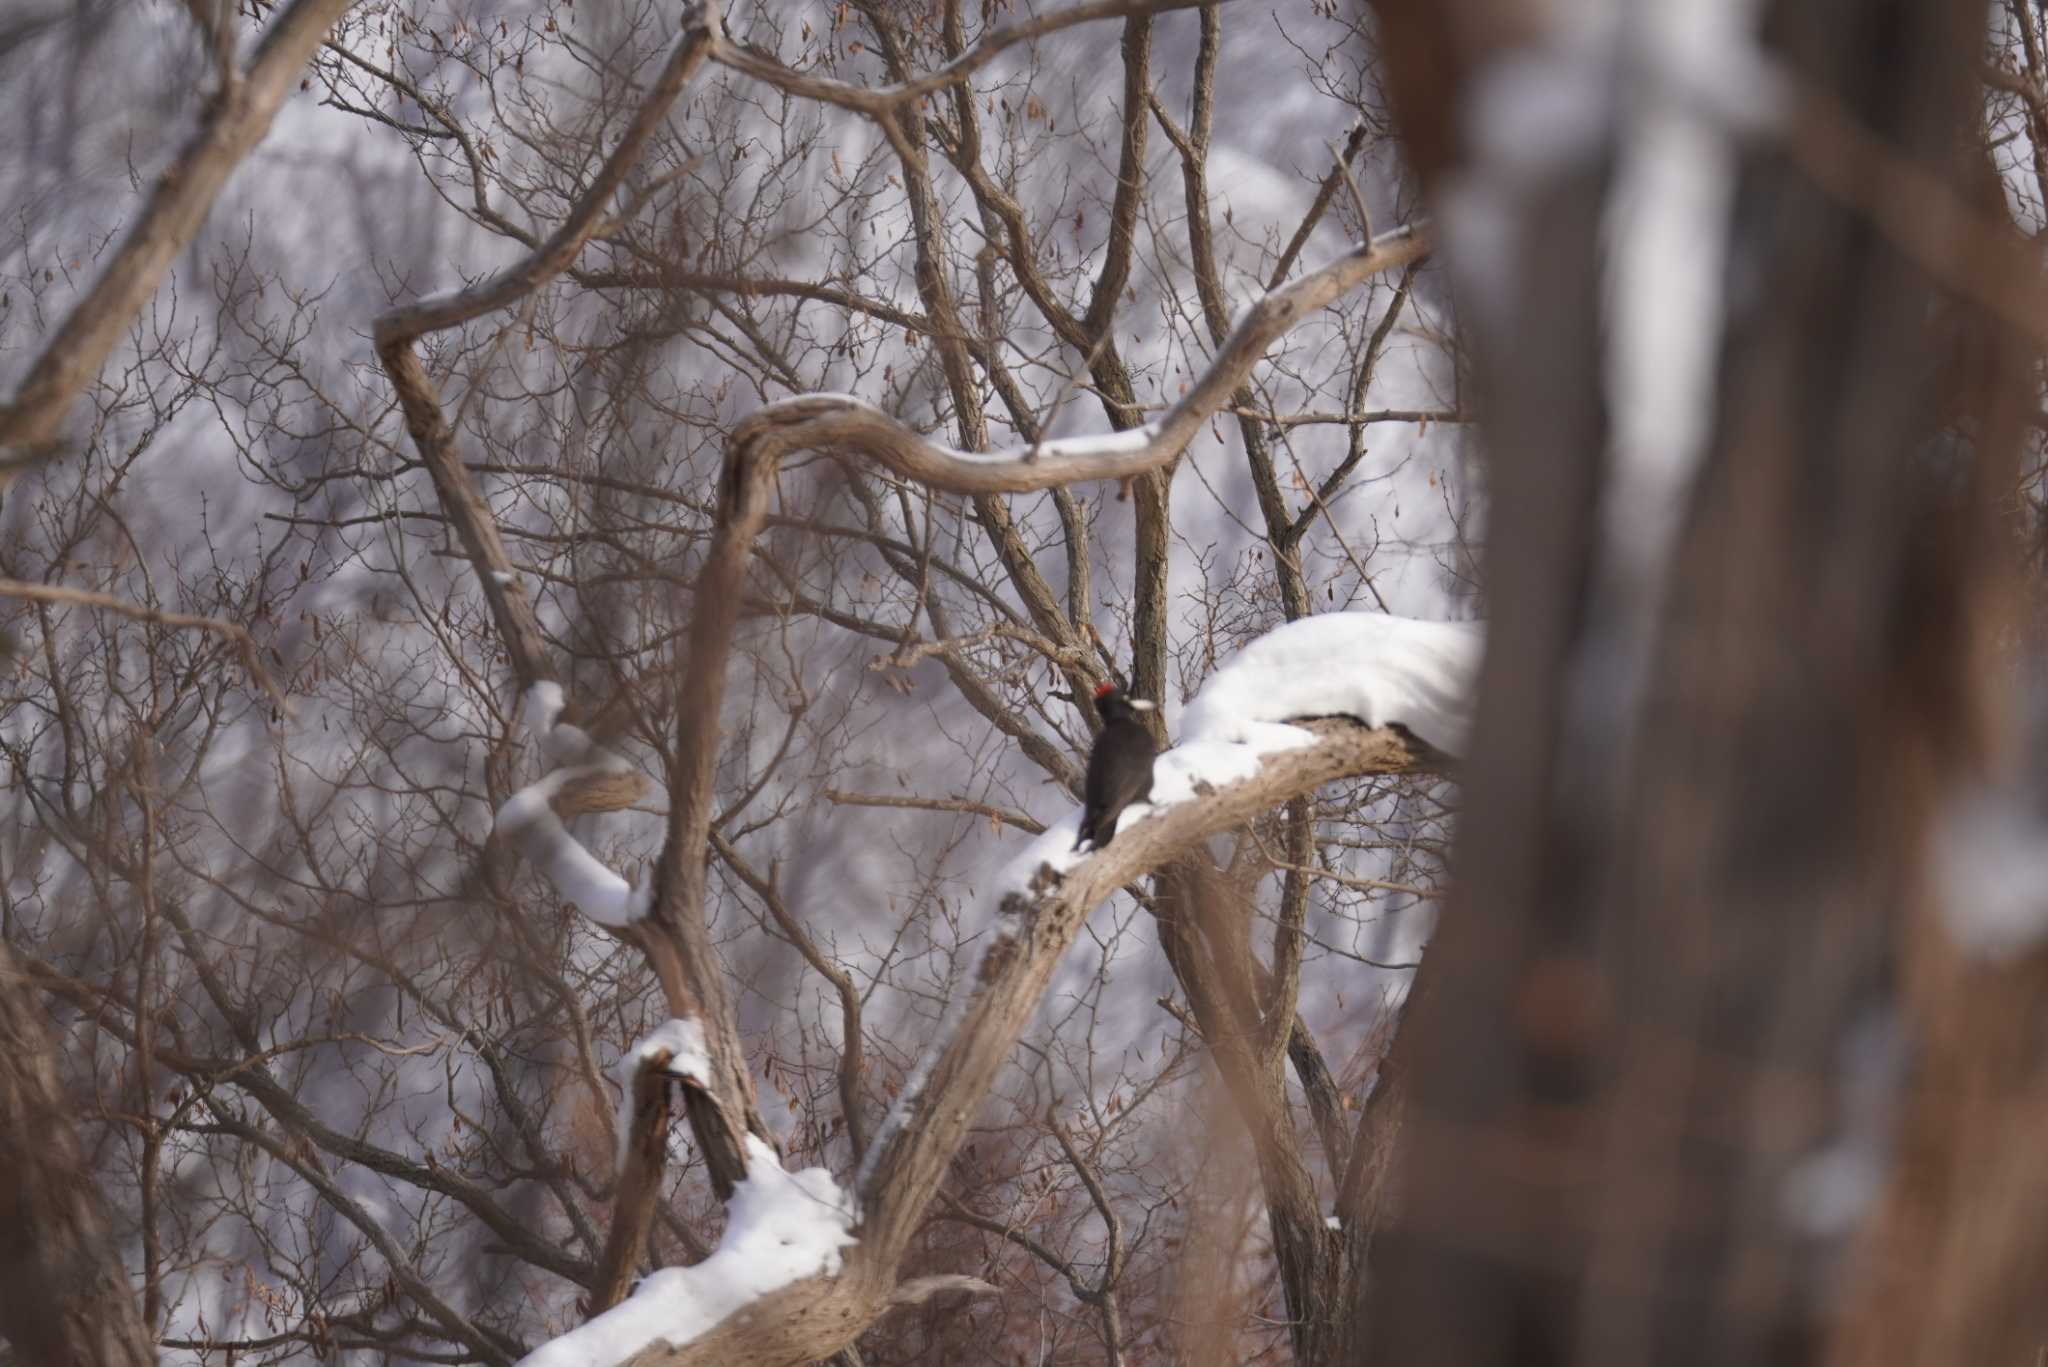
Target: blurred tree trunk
65,1300
1682,880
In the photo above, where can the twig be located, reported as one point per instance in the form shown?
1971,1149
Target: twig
1067,391
245,644
965,806
1357,196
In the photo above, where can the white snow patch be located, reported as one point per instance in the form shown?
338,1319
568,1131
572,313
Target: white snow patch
780,1228
1827,1195
579,876
1667,226
1380,669
1705,53
1991,864
1126,443
689,1057
540,712
1369,665
541,707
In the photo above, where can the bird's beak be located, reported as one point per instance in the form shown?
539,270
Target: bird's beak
1139,704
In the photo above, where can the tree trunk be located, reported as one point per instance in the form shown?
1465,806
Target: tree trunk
1695,818
65,1300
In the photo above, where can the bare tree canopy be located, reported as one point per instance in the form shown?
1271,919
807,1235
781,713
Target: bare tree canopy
556,568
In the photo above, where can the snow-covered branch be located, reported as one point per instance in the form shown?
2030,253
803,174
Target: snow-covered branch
677,1051
879,101
1383,670
1237,761
849,426
781,1227
588,778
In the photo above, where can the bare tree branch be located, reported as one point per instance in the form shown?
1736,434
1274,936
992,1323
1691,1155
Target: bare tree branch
816,1317
244,643
68,1299
882,102
838,423
239,118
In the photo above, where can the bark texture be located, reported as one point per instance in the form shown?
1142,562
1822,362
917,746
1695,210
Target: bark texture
65,1300
1683,880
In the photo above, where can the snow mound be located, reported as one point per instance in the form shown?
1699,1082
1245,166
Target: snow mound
780,1227
1380,669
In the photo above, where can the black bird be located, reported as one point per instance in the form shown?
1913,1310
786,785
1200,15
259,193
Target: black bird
1119,767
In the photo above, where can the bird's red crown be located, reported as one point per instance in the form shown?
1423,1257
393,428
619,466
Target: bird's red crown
1103,690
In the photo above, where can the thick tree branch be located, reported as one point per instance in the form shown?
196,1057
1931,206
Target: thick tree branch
238,120
843,424
882,102
66,1297
816,1317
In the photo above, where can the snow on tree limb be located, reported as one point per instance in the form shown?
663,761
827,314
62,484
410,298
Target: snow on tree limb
845,424
781,1227
676,1049
816,1316
1381,669
590,779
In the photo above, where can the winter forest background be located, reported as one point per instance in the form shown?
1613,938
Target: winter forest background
1693,347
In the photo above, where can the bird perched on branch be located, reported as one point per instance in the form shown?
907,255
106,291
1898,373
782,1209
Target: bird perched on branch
1119,767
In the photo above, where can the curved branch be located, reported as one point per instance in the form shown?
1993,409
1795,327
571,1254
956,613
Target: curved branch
814,1318
237,635
879,102
397,331
842,422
